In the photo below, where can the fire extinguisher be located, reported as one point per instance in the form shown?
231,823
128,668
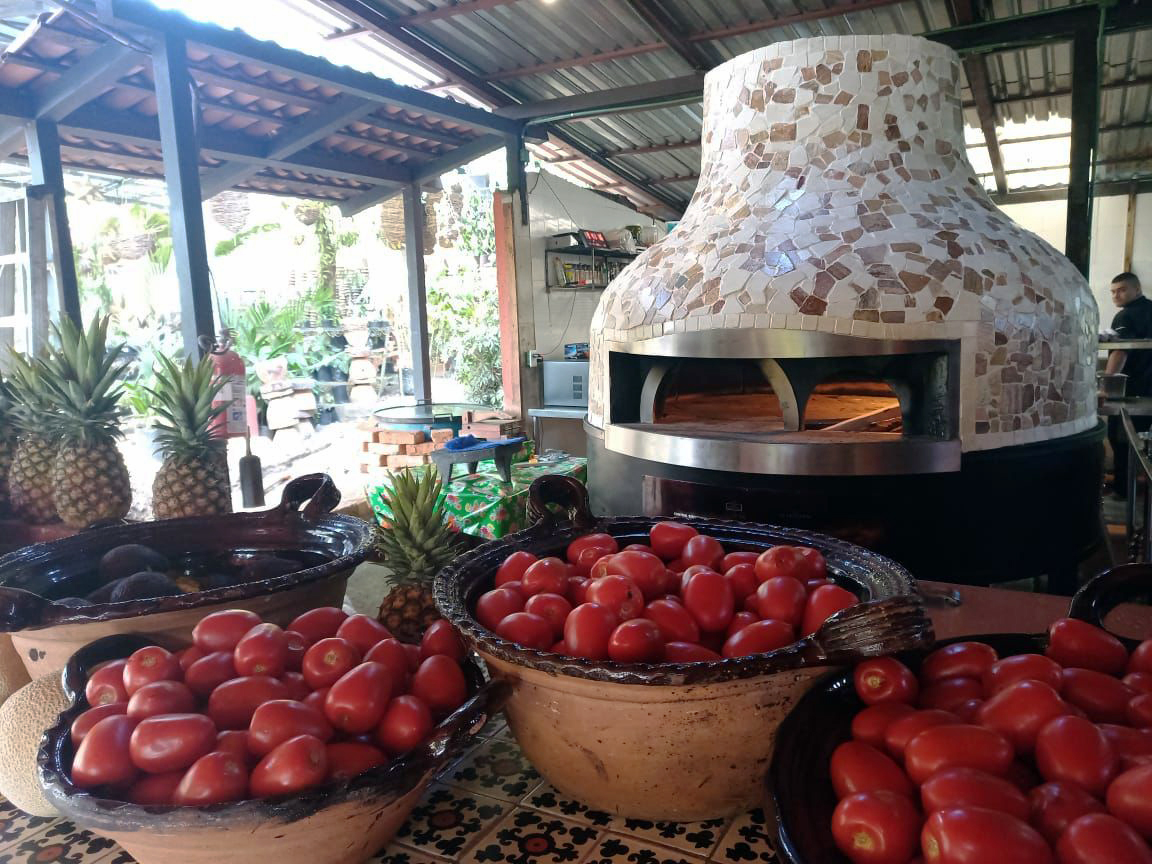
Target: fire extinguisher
233,422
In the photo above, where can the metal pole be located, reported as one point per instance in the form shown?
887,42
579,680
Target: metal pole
43,140
517,183
1085,121
417,295
179,143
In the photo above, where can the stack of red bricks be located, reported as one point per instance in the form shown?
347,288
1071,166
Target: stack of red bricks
400,448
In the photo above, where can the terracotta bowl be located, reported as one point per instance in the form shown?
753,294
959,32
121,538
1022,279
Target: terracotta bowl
798,794
46,634
342,823
677,742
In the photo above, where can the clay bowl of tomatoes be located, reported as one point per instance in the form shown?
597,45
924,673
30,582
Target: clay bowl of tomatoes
1025,748
313,744
631,693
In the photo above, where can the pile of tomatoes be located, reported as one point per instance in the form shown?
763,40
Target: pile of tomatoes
251,710
1030,759
681,598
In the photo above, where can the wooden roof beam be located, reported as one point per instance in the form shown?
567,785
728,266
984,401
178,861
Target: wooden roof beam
670,32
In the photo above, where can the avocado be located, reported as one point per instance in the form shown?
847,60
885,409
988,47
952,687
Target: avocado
131,558
144,586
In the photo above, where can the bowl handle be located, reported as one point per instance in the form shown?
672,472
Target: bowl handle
1107,590
568,492
455,734
20,609
317,490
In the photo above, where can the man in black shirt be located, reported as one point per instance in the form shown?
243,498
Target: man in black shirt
1133,321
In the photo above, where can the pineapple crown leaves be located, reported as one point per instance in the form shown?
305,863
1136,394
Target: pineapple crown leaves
29,407
417,542
81,378
182,399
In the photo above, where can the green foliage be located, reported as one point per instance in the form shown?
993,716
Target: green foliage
227,247
477,230
464,331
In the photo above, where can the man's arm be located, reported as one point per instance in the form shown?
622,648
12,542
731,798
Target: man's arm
1115,362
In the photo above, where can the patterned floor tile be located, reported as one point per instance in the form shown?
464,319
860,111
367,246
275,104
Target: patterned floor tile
117,856
548,798
449,820
16,825
747,840
623,849
529,837
696,838
496,768
59,842
399,854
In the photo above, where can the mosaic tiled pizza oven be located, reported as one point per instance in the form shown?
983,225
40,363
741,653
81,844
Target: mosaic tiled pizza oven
840,270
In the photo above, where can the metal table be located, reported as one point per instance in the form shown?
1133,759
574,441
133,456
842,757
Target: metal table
538,414
1137,406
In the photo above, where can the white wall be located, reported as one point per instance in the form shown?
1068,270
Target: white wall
556,205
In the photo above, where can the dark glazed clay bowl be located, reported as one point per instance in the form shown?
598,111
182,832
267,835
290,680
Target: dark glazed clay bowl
341,823
676,742
799,799
46,633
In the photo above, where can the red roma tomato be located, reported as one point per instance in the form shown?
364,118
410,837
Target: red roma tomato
496,605
512,568
1020,711
83,724
812,584
189,656
587,550
636,641
741,620
780,561
752,604
1101,839
857,767
263,650
639,547
298,764
405,725
1074,750
577,591
743,579
213,779
957,746
276,721
759,637
702,549
392,654
357,701
885,679
1022,667
328,661
688,652
732,559
546,576
871,724
297,647
1140,711
958,660
1129,797
822,604
647,571
553,608
588,629
209,672
528,630
619,594
316,699
709,600
560,648
1055,806
220,631
973,835
161,697
1139,681
668,538
104,757
1072,642
1133,746
171,742
782,598
876,828
155,790
674,621
950,693
1141,659
813,564
413,652
106,685
599,569
232,704
1103,698
234,742
968,710
363,631
904,729
317,624
967,787
689,572
347,759
150,664
440,684
441,638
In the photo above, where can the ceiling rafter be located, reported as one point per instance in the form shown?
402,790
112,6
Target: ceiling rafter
976,70
670,32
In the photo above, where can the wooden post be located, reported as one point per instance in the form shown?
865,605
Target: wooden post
517,306
47,183
1082,151
181,149
417,295
1130,230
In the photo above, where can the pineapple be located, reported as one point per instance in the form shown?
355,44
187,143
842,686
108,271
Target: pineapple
7,445
29,477
193,481
415,546
89,479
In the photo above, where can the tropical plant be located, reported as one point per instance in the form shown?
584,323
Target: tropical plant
227,247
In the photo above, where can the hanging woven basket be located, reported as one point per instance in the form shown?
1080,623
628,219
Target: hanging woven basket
309,212
134,247
392,222
230,210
